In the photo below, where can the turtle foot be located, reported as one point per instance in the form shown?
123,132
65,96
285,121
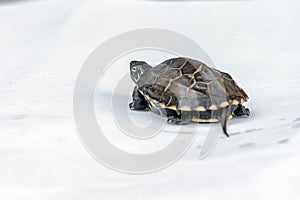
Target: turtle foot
136,105
184,118
174,120
241,111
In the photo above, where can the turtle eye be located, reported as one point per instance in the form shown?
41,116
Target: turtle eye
134,69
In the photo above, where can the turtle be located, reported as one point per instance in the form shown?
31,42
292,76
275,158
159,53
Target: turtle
186,90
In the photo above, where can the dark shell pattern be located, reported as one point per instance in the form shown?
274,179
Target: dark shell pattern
183,84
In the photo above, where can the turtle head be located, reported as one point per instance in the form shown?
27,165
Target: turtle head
137,68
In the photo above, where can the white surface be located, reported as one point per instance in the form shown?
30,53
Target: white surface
43,45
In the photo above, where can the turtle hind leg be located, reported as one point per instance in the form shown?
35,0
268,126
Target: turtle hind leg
139,102
241,111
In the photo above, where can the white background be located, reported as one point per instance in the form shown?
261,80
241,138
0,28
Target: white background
43,45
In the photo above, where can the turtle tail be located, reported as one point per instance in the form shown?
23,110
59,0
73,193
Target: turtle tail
223,118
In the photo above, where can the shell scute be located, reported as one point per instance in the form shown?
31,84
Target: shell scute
188,69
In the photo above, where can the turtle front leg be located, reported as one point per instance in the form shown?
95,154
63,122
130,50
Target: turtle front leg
185,117
139,102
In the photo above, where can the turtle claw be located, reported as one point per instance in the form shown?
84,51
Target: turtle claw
131,106
174,120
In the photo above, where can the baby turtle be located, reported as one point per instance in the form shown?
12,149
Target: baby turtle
186,90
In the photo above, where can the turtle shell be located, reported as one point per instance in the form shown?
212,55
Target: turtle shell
184,84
